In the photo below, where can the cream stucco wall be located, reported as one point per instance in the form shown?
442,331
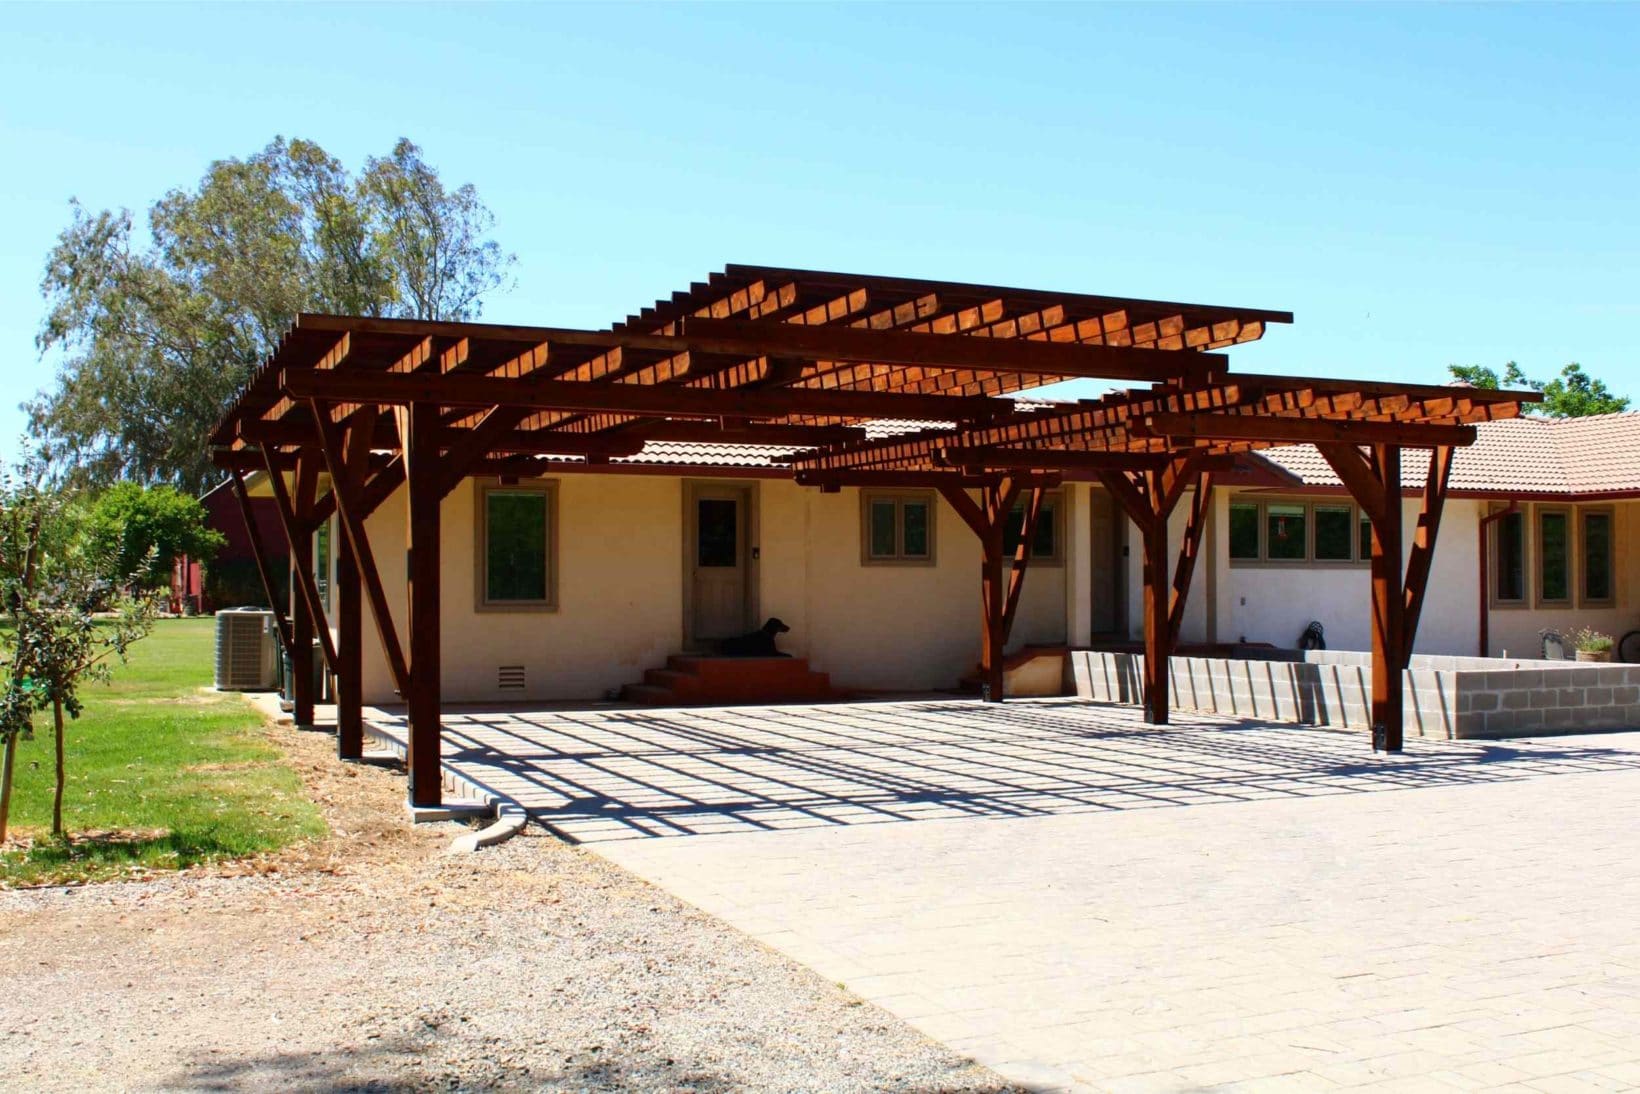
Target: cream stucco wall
621,603
1273,603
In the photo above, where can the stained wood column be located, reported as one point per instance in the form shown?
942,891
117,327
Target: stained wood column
992,606
1149,498
1374,481
1158,650
1389,657
349,669
264,560
419,425
998,599
301,634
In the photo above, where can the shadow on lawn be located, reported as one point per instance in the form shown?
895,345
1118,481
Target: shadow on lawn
92,855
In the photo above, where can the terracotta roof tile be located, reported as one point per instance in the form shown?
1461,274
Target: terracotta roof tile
1529,455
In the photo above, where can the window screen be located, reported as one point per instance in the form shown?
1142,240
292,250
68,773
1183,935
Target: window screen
515,546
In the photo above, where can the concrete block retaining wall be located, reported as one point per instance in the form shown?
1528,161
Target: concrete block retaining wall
1445,697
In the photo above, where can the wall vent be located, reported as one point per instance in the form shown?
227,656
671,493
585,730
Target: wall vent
510,677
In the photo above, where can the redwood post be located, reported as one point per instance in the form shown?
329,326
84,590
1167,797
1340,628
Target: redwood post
301,632
1388,636
259,552
993,597
349,654
424,695
1157,647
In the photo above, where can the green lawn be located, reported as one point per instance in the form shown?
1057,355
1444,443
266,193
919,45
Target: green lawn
159,775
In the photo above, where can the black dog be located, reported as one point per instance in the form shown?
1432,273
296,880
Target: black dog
760,643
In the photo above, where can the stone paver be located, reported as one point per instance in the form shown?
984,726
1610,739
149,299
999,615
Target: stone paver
1081,901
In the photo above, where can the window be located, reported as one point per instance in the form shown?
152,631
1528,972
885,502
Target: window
1332,533
1045,545
1244,531
1363,538
1597,556
1295,531
321,563
898,527
517,530
1554,556
1509,552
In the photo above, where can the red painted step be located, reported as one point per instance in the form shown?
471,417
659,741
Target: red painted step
693,680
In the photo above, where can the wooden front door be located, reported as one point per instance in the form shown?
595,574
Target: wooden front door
719,577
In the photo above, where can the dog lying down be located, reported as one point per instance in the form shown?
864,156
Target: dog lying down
760,643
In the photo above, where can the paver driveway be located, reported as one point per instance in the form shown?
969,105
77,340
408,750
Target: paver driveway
1079,900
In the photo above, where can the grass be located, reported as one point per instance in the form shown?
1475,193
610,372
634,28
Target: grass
160,776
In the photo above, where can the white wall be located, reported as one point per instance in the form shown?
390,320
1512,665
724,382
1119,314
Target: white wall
1196,613
620,592
1272,603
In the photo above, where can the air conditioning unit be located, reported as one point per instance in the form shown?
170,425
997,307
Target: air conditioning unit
247,650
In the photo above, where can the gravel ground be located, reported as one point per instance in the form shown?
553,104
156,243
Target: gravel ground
374,961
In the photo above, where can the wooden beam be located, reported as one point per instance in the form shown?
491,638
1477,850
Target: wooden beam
797,436
1256,427
354,505
349,668
661,400
264,560
914,480
836,343
296,518
999,457
424,474
1422,557
1388,606
1022,559
1200,510
966,508
1355,472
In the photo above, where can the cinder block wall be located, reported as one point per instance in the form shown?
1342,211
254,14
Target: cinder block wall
1445,697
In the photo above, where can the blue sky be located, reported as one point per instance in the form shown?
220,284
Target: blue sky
1420,185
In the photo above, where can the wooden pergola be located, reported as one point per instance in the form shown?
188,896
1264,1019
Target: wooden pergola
802,360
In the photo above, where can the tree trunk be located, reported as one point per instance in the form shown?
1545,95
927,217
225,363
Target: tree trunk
57,799
5,785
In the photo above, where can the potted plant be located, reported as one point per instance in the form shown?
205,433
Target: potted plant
1592,645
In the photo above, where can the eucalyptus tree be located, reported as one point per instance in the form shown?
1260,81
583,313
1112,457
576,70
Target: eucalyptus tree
156,329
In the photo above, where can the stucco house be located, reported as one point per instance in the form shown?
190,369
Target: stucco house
573,586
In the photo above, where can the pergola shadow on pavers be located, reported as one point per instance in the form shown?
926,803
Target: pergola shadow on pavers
602,775
802,359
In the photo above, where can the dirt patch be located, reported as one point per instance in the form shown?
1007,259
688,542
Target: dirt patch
372,959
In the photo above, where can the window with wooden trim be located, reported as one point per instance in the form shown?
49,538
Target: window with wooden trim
1595,545
1554,555
1046,544
897,527
1508,547
517,529
1298,531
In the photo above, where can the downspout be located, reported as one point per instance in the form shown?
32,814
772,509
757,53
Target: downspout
1485,558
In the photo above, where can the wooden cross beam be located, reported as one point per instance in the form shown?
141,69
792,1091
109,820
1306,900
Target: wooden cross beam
1374,481
1149,498
1225,427
656,400
833,343
296,518
264,568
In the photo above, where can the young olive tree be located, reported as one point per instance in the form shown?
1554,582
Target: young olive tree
72,616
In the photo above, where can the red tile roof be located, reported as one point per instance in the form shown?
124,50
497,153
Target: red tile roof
1571,457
